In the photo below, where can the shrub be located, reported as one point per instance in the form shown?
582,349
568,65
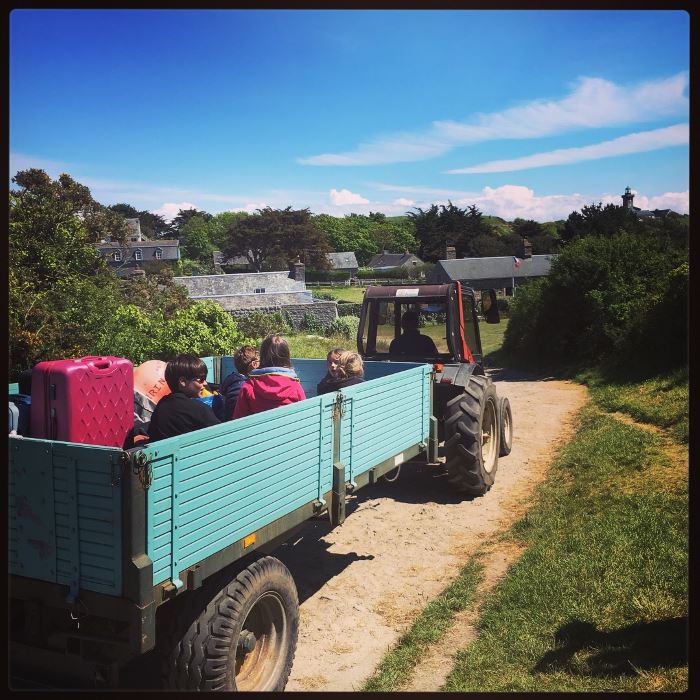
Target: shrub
605,299
259,324
345,327
324,296
349,309
310,324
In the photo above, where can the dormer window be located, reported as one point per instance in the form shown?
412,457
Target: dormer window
159,253
138,255
117,256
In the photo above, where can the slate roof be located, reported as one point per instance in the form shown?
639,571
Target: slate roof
471,269
383,260
342,261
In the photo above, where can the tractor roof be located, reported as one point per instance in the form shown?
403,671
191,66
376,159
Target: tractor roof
407,292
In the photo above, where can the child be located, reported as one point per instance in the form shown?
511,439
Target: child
176,413
273,384
350,371
323,386
246,359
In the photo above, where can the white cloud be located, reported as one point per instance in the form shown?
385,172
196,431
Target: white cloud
677,135
343,197
513,201
592,103
170,209
403,202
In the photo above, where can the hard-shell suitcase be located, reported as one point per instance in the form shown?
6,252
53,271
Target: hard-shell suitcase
88,400
22,407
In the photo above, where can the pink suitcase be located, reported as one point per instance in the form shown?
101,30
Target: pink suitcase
88,400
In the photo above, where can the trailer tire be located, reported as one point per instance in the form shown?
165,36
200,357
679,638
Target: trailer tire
240,637
472,437
505,428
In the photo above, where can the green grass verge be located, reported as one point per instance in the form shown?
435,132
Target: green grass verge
661,401
315,346
430,626
598,602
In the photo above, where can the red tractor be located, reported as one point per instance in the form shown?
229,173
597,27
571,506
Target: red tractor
439,324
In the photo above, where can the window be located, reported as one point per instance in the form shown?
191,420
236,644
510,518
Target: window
138,255
117,256
159,253
260,290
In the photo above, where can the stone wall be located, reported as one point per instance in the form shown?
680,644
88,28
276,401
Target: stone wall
258,302
324,312
242,283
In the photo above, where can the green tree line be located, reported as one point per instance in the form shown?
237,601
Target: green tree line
616,297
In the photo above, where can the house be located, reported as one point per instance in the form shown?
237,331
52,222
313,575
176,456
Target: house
628,203
129,256
243,293
502,272
343,262
389,261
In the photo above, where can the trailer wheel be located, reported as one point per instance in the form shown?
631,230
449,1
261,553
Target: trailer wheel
242,637
505,427
472,438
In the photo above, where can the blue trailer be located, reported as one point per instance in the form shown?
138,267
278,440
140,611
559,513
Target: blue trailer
114,553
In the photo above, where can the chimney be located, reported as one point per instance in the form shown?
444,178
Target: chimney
450,253
298,271
526,249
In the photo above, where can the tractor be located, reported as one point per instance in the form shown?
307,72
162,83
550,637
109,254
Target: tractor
475,424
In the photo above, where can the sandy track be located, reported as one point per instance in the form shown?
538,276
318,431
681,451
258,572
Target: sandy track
364,582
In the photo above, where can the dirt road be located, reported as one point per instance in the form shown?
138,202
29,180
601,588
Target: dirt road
363,583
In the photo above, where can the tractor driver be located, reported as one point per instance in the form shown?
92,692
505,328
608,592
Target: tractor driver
411,342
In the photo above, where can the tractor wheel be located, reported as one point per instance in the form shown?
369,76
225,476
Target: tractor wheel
242,637
505,428
471,437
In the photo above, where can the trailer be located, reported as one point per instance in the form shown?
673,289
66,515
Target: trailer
165,547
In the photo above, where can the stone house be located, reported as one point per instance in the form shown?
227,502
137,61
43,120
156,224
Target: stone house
343,262
130,256
242,293
389,261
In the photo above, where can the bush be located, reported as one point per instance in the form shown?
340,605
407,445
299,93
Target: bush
323,296
345,327
349,309
326,276
310,324
605,300
259,324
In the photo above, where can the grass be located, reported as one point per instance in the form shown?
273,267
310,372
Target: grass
353,294
599,599
315,346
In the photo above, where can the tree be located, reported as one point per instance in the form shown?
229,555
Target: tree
277,236
440,226
153,226
599,220
125,210
183,216
60,289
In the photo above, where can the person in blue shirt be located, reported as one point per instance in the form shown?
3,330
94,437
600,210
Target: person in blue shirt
246,359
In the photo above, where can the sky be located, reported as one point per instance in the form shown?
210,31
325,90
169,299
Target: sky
523,113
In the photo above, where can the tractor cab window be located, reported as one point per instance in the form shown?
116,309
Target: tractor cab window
386,316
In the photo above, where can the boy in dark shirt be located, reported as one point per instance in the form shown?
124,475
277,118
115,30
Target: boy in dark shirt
246,359
177,413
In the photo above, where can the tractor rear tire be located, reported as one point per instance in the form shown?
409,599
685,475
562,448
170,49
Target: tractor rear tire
472,437
505,428
238,638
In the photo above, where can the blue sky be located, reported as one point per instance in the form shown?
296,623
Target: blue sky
531,113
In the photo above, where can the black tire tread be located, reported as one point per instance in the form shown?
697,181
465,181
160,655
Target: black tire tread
463,414
195,655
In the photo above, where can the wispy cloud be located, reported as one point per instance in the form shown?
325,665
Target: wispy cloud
677,135
592,103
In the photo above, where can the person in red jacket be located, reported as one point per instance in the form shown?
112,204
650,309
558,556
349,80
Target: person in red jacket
274,383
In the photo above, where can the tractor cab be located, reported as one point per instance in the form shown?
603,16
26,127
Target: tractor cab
447,322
